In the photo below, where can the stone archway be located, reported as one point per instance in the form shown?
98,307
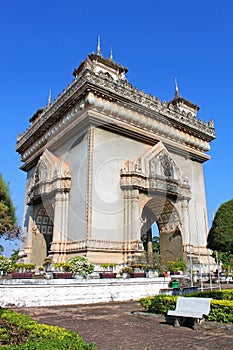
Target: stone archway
157,190
42,233
48,198
162,211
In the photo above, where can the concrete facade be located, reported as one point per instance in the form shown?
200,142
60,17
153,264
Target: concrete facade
105,161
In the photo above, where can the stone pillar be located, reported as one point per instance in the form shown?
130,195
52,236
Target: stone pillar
185,223
127,207
131,220
31,231
60,217
135,216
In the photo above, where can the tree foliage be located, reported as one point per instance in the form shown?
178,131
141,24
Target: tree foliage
8,220
220,237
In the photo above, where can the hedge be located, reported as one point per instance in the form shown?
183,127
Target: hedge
214,294
159,304
220,310
40,336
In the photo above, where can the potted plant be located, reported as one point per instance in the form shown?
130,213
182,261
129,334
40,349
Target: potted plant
48,264
23,270
80,266
175,267
138,270
107,270
41,269
62,270
151,270
126,271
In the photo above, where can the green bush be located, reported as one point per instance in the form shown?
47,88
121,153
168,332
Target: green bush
38,336
80,265
107,266
5,264
24,267
55,344
220,310
214,294
177,265
159,304
62,266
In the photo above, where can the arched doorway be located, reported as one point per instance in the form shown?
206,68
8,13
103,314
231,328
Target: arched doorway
43,233
162,211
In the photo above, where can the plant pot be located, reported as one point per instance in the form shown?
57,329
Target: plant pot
125,275
22,274
137,274
151,273
107,275
67,275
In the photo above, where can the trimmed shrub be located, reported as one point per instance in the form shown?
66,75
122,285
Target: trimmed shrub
214,294
221,311
37,336
159,304
54,344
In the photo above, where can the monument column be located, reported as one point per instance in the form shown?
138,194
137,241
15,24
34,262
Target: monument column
186,224
30,232
135,215
60,217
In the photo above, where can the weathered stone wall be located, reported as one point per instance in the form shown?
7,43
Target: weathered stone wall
34,293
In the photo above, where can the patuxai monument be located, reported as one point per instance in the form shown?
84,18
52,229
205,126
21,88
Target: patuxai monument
104,162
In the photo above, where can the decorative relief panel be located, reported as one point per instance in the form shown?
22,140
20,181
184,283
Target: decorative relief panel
51,176
156,171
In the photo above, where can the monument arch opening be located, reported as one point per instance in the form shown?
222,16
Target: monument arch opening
162,211
42,232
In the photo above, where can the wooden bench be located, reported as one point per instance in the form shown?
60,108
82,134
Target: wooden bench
190,308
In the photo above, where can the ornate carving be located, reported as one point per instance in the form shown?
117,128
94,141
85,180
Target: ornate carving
51,176
120,89
96,245
156,171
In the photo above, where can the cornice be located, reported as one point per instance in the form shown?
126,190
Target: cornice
158,127
116,94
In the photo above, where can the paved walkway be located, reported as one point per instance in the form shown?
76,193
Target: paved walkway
112,326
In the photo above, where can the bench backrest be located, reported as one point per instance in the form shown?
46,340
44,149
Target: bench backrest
191,304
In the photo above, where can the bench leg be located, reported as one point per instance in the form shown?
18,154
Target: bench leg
195,323
176,322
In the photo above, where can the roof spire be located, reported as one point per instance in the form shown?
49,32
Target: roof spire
111,54
49,98
98,46
177,94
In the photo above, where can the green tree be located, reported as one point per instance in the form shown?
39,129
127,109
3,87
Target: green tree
8,220
220,237
156,244
14,255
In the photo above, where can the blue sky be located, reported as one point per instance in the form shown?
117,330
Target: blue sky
43,41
